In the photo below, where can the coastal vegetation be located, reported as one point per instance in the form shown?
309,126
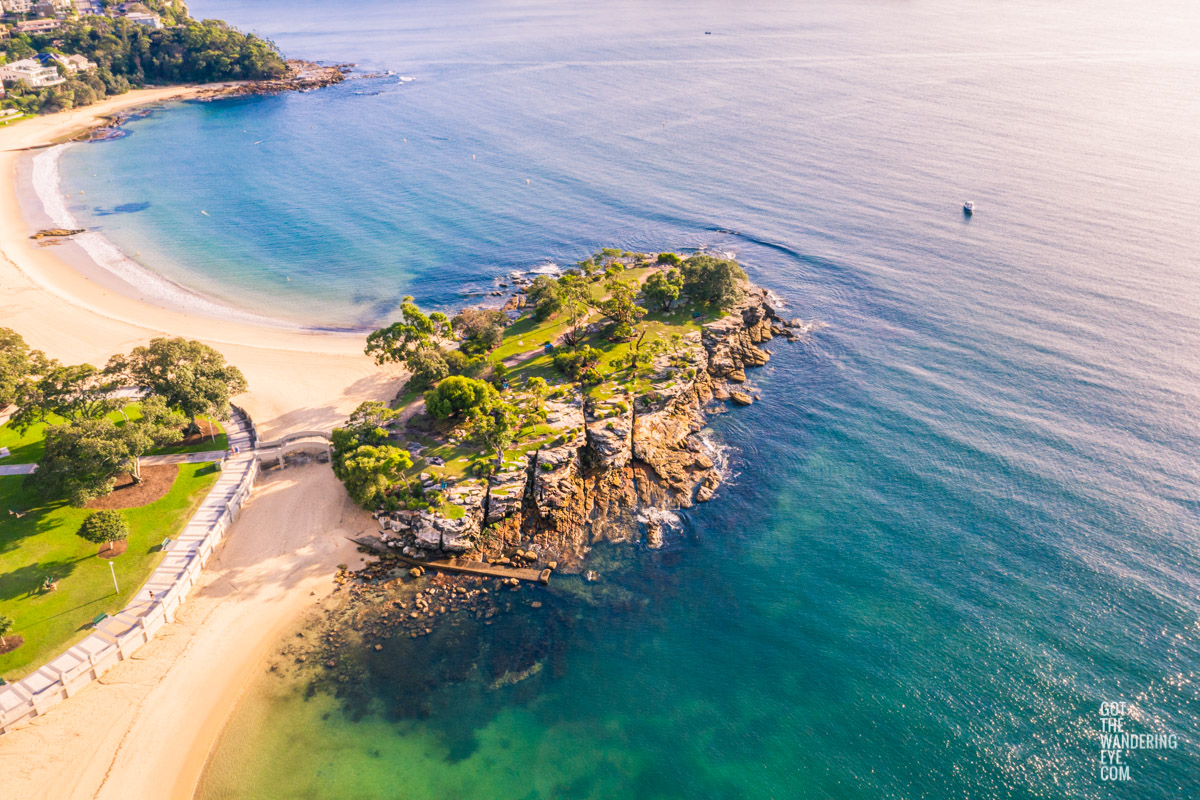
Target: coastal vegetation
128,55
87,438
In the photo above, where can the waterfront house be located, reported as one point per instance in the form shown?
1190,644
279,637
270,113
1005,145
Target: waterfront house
32,71
37,25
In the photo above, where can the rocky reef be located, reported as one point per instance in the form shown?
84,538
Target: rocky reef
609,460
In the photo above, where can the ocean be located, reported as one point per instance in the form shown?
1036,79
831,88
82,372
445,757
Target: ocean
964,514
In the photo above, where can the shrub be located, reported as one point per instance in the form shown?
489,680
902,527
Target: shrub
669,258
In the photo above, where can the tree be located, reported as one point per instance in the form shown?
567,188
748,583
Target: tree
414,331
73,392
159,425
104,527
482,329
494,427
81,461
716,281
413,341
188,374
546,297
17,362
366,426
576,296
669,258
621,308
663,288
458,395
428,366
370,471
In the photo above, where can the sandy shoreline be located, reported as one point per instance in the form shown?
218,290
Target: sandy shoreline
152,720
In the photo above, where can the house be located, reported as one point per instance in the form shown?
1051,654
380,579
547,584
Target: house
76,63
32,72
89,8
145,18
4,34
72,63
37,25
17,6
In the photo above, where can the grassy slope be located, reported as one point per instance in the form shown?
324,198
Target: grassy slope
44,543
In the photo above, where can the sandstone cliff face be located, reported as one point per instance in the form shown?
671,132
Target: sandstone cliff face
611,460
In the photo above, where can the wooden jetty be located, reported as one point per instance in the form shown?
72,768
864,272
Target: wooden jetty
462,566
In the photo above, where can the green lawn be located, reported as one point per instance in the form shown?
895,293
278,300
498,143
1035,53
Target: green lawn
27,448
43,543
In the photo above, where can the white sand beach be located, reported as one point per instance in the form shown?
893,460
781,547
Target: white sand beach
146,728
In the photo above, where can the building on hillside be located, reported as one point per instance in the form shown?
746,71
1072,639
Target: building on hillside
17,6
76,63
72,63
145,18
37,25
32,71
4,34
89,8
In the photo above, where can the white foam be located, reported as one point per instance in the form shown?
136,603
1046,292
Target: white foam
47,185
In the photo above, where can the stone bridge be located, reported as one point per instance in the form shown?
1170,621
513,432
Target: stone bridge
276,449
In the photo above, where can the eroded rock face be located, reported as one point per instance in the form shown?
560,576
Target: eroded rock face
605,461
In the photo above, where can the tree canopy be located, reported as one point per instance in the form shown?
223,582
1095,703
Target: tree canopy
188,374
458,395
370,471
482,329
71,392
414,341
663,288
17,363
546,297
716,281
621,308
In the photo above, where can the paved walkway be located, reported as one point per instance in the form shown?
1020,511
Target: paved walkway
188,458
17,469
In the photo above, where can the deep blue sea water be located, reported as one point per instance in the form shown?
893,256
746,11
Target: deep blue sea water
964,514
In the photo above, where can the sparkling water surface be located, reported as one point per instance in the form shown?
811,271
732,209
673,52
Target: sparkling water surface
964,513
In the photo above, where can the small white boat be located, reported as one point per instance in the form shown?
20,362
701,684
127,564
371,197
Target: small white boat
968,208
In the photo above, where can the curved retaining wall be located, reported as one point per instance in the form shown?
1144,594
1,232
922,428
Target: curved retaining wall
118,637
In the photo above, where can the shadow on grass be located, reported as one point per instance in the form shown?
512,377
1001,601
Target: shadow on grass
25,582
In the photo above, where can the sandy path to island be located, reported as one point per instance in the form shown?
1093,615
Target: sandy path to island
146,728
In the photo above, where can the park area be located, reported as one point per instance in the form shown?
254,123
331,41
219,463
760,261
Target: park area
98,467
54,583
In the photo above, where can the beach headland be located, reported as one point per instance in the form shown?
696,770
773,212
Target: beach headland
145,730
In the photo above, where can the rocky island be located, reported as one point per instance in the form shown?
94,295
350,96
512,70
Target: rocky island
572,418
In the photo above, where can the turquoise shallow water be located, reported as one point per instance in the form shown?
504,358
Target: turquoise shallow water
964,514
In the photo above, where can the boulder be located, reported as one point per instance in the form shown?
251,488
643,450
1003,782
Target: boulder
741,398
